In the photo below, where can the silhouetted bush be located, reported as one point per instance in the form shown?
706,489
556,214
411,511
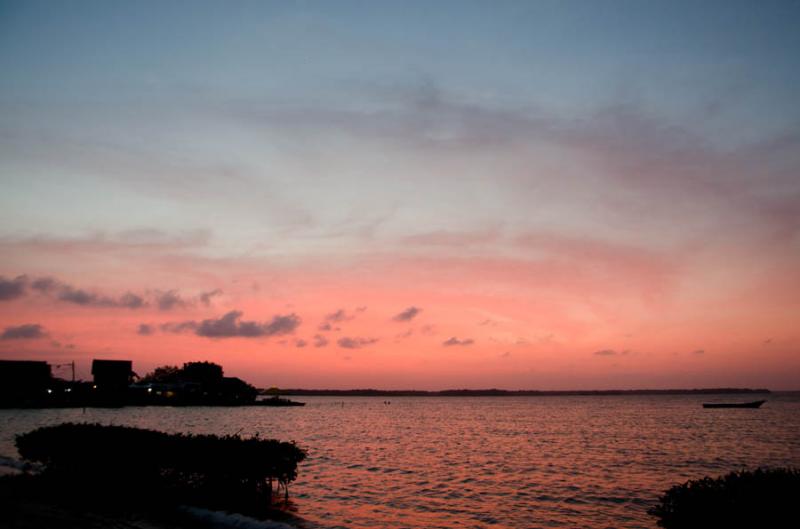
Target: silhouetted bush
763,498
118,462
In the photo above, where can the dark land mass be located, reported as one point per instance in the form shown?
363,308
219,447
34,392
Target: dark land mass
31,384
511,393
91,476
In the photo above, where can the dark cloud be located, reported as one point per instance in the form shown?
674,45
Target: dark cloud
300,343
82,297
145,329
77,296
179,326
205,297
169,300
231,325
339,315
28,331
355,343
605,352
163,299
320,341
408,314
130,301
699,352
12,288
45,284
455,341
336,317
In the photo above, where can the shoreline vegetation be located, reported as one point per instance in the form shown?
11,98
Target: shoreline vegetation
81,472
764,497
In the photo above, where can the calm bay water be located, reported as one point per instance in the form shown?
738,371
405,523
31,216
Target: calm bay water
508,462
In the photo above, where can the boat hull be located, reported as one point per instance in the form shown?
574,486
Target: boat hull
756,404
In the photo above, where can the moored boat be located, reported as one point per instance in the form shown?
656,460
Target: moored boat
278,401
754,404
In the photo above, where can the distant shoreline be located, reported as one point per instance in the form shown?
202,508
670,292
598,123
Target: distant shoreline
509,393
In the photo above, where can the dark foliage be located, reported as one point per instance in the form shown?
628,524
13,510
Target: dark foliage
163,375
118,463
759,498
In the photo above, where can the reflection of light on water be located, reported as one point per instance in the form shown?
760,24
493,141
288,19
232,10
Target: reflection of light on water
499,462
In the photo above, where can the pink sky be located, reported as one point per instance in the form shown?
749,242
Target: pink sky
581,314
567,196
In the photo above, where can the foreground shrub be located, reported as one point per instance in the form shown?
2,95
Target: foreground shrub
768,498
118,463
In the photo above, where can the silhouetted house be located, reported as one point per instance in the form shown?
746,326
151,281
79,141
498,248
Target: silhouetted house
112,374
22,380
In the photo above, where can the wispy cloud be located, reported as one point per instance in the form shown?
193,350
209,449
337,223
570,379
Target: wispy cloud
28,331
165,300
206,297
456,341
355,342
612,352
337,316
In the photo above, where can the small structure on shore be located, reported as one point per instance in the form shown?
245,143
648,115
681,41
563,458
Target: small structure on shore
24,380
112,374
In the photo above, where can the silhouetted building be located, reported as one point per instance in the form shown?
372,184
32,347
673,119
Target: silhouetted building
24,379
112,374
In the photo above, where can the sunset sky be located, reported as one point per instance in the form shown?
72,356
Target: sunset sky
523,195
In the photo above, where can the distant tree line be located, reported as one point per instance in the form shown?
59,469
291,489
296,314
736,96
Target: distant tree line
492,392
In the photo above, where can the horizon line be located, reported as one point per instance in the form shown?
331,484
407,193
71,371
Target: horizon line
498,391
